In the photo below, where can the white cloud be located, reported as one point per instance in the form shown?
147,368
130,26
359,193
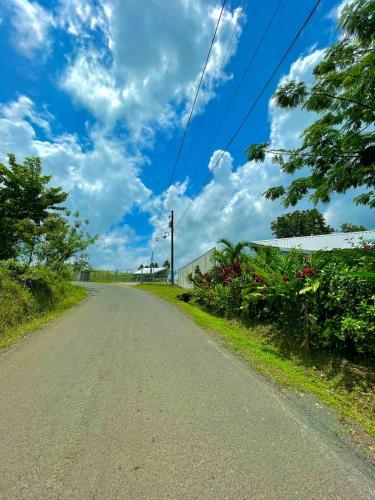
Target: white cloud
23,109
102,180
336,12
121,249
148,86
286,126
31,24
231,205
79,17
145,83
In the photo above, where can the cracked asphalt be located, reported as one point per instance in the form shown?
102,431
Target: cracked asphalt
124,397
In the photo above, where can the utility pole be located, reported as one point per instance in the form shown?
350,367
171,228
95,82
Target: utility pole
171,225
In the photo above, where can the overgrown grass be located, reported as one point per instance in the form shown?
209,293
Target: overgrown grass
74,294
347,388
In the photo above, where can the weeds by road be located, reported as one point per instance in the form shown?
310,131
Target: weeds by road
12,335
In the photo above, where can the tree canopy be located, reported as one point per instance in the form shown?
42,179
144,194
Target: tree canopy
338,149
34,225
300,223
26,201
350,228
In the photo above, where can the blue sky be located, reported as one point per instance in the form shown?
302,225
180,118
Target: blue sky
101,90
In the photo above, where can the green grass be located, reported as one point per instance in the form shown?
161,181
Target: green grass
347,388
11,336
109,277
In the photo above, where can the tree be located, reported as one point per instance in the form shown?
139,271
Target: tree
167,264
300,223
351,228
62,239
33,224
26,201
140,267
339,147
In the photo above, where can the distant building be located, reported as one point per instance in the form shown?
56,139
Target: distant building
307,244
151,274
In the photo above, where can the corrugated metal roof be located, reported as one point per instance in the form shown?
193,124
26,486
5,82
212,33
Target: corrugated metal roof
148,270
321,242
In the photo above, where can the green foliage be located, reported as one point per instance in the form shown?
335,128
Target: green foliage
229,254
351,228
16,302
34,227
338,149
322,301
300,223
28,292
62,239
25,202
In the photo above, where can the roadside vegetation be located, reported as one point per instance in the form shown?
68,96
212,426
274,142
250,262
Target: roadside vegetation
324,301
308,321
345,385
42,245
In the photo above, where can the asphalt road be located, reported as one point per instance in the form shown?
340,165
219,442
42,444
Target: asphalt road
124,397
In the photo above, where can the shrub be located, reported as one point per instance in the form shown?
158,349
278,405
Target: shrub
27,291
16,303
325,300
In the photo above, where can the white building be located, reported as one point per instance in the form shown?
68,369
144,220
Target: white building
314,243
307,244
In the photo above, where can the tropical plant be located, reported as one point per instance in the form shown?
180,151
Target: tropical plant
324,300
230,253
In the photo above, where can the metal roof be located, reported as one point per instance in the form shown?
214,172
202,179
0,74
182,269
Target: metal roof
321,241
150,270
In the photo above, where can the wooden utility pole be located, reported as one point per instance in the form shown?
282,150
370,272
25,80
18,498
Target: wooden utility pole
171,225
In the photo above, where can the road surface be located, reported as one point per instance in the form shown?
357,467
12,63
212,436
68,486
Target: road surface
124,397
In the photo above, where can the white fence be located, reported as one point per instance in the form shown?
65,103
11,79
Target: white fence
205,264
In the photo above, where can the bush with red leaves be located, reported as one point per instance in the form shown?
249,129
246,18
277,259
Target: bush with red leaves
227,273
306,271
258,278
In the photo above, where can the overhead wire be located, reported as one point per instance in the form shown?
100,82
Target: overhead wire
255,102
240,82
218,75
196,96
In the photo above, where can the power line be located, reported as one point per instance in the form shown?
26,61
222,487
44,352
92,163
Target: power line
196,96
224,59
240,82
218,74
260,94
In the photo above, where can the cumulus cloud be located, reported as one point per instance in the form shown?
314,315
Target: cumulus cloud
103,180
131,80
80,17
143,83
31,24
231,205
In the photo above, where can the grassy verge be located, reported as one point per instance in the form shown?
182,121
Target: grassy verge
346,387
76,294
